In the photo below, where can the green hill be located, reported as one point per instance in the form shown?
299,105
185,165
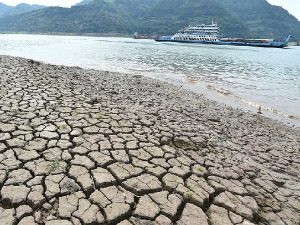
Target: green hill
263,19
4,8
237,18
99,16
167,15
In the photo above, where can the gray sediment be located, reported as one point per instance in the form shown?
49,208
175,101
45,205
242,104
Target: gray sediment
94,147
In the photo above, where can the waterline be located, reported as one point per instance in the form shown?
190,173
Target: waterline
240,76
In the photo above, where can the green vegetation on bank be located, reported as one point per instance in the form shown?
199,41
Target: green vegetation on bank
237,18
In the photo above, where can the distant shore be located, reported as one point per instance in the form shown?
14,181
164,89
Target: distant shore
84,146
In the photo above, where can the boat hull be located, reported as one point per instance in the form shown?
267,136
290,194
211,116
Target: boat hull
272,44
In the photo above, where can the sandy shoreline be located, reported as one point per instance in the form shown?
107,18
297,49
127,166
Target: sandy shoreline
92,147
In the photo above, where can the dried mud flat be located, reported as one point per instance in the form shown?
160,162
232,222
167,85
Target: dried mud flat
91,147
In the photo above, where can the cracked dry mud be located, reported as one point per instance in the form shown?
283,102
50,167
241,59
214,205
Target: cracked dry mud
91,147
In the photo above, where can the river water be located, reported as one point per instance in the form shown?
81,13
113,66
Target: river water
242,77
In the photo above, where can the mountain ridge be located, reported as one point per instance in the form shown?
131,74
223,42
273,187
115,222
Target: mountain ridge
6,10
237,18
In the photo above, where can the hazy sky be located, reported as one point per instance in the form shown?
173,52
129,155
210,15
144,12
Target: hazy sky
293,6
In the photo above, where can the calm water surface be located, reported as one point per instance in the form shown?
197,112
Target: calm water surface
244,77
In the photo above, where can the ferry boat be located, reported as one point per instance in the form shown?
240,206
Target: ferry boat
209,34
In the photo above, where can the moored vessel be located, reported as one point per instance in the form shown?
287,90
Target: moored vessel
209,34
143,36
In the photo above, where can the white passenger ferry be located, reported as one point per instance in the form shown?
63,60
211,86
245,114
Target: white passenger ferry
200,32
209,34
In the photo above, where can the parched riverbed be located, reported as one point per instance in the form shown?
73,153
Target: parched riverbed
92,147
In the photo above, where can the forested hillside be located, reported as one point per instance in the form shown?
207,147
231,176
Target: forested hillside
167,15
263,18
99,16
4,8
237,18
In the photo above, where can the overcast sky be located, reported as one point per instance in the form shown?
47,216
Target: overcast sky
293,6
